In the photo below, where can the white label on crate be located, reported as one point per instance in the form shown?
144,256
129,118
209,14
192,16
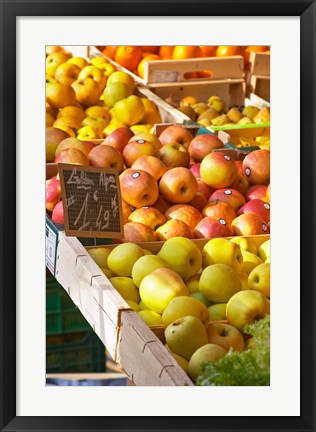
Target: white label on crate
166,76
51,244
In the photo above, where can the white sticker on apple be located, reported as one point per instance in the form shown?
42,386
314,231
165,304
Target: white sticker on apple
135,175
227,192
264,227
227,157
222,221
247,171
140,141
266,205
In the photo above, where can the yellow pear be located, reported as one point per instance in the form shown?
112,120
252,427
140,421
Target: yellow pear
219,282
126,287
183,306
208,353
150,317
222,251
185,335
145,265
122,258
250,261
159,287
259,279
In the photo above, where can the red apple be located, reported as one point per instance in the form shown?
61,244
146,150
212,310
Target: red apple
174,155
256,166
174,228
178,185
176,133
199,201
162,204
256,192
119,138
241,183
218,170
219,210
151,164
72,143
249,224
210,228
184,212
202,145
231,196
53,192
72,156
89,144
126,211
106,156
138,188
195,169
134,149
146,136
204,188
137,232
256,206
58,213
268,192
148,216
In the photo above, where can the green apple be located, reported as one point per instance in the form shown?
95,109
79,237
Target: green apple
150,317
245,307
145,265
182,255
250,261
217,311
159,287
182,306
123,257
185,335
222,251
200,297
226,336
219,282
264,250
208,353
126,287
100,255
259,279
244,244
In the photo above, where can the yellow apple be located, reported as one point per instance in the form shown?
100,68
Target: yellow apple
67,73
100,255
122,258
250,261
226,336
182,255
193,284
129,110
54,60
87,133
264,250
59,95
244,244
244,280
185,335
205,354
183,363
150,317
115,92
245,307
95,73
87,91
159,287
122,76
259,279
145,265
182,306
79,61
222,251
126,287
142,306
219,282
133,305
217,311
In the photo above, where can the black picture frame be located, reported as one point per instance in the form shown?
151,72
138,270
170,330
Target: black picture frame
9,11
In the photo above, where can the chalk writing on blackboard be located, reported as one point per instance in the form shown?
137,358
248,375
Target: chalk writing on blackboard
92,201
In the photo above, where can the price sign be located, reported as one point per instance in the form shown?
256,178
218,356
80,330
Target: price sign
91,200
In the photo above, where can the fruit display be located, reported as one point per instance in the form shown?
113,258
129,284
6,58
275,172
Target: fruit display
174,184
204,295
88,99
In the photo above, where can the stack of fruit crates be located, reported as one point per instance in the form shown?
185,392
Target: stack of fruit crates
71,344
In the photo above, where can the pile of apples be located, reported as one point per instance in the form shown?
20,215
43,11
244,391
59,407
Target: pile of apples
176,184
215,112
88,99
202,296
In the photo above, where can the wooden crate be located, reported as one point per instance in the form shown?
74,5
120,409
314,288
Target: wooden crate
258,76
233,135
128,339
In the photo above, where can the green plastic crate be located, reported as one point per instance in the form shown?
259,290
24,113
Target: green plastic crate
76,352
62,315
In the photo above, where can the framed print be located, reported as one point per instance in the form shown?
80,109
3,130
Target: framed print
289,402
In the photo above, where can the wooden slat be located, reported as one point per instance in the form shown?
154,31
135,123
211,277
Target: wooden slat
259,64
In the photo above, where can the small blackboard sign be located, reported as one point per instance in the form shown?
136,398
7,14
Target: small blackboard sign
91,200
